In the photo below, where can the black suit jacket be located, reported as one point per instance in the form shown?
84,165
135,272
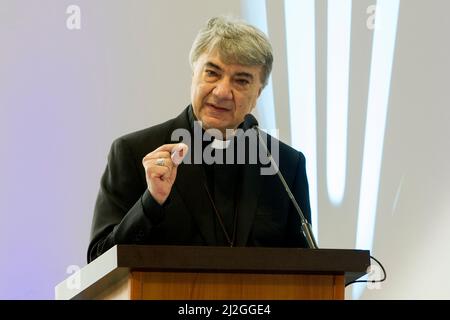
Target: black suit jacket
126,213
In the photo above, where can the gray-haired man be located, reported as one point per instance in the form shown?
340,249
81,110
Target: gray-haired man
147,198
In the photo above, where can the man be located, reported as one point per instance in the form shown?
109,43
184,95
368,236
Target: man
147,198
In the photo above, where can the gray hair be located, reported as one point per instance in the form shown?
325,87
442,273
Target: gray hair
236,42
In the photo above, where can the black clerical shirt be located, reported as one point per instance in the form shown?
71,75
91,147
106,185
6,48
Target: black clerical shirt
222,182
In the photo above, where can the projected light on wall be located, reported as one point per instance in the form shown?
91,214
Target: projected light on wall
301,60
254,11
338,69
377,107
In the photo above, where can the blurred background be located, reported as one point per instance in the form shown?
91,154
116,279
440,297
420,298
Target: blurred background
361,87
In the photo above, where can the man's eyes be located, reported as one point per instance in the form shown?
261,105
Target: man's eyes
242,82
211,73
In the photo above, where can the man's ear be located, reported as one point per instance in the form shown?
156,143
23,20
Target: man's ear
260,90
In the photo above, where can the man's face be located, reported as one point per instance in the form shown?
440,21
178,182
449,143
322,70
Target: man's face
222,94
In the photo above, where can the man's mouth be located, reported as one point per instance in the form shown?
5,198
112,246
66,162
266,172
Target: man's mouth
217,108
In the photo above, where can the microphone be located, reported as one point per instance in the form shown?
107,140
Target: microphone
250,122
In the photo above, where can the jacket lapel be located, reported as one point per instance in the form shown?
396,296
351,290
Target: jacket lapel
248,201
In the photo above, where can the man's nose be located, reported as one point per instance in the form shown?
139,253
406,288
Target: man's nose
223,90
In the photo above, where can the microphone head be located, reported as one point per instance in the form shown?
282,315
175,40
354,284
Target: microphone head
250,121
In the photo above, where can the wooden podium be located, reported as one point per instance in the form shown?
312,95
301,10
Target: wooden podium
215,273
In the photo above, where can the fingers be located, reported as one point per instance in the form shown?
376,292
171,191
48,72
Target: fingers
157,159
161,158
158,167
158,163
160,172
178,153
166,147
168,154
157,154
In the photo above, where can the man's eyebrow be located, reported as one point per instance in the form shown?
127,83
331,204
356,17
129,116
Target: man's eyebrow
239,74
245,74
212,65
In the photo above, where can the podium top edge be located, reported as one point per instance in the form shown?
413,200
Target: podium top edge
241,259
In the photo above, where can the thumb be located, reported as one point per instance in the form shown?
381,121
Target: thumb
178,153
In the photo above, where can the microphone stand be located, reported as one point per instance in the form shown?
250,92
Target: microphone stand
306,227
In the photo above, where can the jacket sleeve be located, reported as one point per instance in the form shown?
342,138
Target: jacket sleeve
125,211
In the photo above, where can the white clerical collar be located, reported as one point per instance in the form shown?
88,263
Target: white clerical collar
220,144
